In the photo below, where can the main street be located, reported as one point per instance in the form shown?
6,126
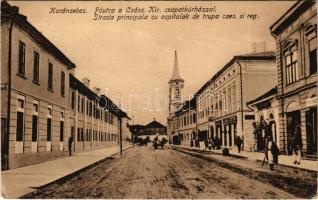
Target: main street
143,172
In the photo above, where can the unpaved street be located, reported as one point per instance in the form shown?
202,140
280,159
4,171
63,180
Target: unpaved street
143,172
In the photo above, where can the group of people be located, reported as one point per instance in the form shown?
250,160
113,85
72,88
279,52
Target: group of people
272,150
214,143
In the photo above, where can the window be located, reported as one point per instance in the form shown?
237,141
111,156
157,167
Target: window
73,100
36,76
21,69
35,121
20,126
62,83
49,124
78,103
50,76
291,67
62,127
34,128
83,106
49,129
177,93
313,56
20,118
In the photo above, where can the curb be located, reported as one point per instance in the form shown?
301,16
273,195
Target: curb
243,158
73,174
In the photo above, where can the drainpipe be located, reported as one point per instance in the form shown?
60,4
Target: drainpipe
241,91
13,16
120,136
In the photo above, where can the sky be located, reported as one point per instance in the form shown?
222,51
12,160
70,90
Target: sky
132,61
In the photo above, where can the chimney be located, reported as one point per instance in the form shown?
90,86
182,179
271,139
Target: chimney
97,90
86,81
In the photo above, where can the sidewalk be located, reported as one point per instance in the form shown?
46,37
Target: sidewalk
257,156
20,181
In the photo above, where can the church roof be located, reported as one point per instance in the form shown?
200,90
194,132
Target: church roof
175,73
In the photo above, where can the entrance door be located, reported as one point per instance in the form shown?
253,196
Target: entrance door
293,118
311,127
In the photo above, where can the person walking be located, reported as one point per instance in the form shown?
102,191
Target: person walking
70,142
297,144
271,152
239,142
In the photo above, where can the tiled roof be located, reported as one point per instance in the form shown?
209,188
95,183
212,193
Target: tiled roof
154,124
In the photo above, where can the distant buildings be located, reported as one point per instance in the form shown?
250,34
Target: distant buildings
151,130
220,109
258,94
296,53
42,103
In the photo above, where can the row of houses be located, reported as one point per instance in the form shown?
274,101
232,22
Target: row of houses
257,91
43,104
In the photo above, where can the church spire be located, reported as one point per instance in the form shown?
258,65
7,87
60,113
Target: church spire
175,74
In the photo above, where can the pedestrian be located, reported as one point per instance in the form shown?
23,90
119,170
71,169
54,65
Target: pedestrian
213,143
70,141
210,144
206,144
217,142
297,144
271,152
239,142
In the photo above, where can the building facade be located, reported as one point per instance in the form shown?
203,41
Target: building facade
94,120
152,130
266,111
34,93
221,102
296,47
42,103
186,123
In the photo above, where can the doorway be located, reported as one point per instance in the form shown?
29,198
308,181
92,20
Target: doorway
311,130
293,118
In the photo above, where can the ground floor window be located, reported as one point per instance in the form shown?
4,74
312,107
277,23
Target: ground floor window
49,129
61,131
20,126
34,128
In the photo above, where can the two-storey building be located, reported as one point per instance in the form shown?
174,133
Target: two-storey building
296,48
94,120
42,103
34,93
221,102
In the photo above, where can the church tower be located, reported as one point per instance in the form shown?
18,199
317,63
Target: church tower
176,84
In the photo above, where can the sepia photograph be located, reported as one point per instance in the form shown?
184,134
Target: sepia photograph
159,99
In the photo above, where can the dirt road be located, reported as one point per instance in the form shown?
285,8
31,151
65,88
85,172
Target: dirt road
143,172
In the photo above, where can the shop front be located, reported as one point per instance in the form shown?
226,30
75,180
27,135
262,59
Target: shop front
230,130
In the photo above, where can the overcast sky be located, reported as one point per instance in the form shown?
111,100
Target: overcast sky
136,58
